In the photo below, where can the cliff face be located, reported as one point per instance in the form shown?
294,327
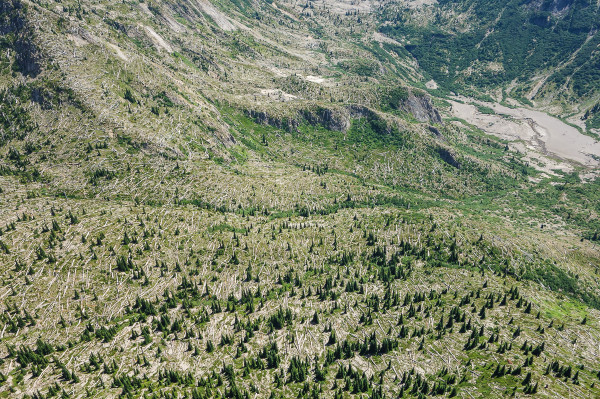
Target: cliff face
10,16
421,108
554,6
340,118
448,157
333,118
13,21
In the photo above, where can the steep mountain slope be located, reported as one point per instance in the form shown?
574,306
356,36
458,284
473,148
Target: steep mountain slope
545,51
225,199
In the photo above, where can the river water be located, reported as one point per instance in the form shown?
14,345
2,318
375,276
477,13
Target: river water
545,133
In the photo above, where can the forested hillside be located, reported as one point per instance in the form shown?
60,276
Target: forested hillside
537,50
238,199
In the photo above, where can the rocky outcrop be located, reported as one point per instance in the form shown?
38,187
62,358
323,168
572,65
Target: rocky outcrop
436,133
335,118
339,118
332,119
421,107
13,21
448,157
553,6
11,17
28,56
263,117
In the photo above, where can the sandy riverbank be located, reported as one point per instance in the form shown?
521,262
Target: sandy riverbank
539,131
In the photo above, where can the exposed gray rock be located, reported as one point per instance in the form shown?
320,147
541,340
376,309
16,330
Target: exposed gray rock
333,119
436,132
448,157
265,118
421,108
13,21
336,118
553,6
11,16
28,55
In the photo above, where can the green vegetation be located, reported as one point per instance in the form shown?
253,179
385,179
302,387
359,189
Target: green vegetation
189,209
491,52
